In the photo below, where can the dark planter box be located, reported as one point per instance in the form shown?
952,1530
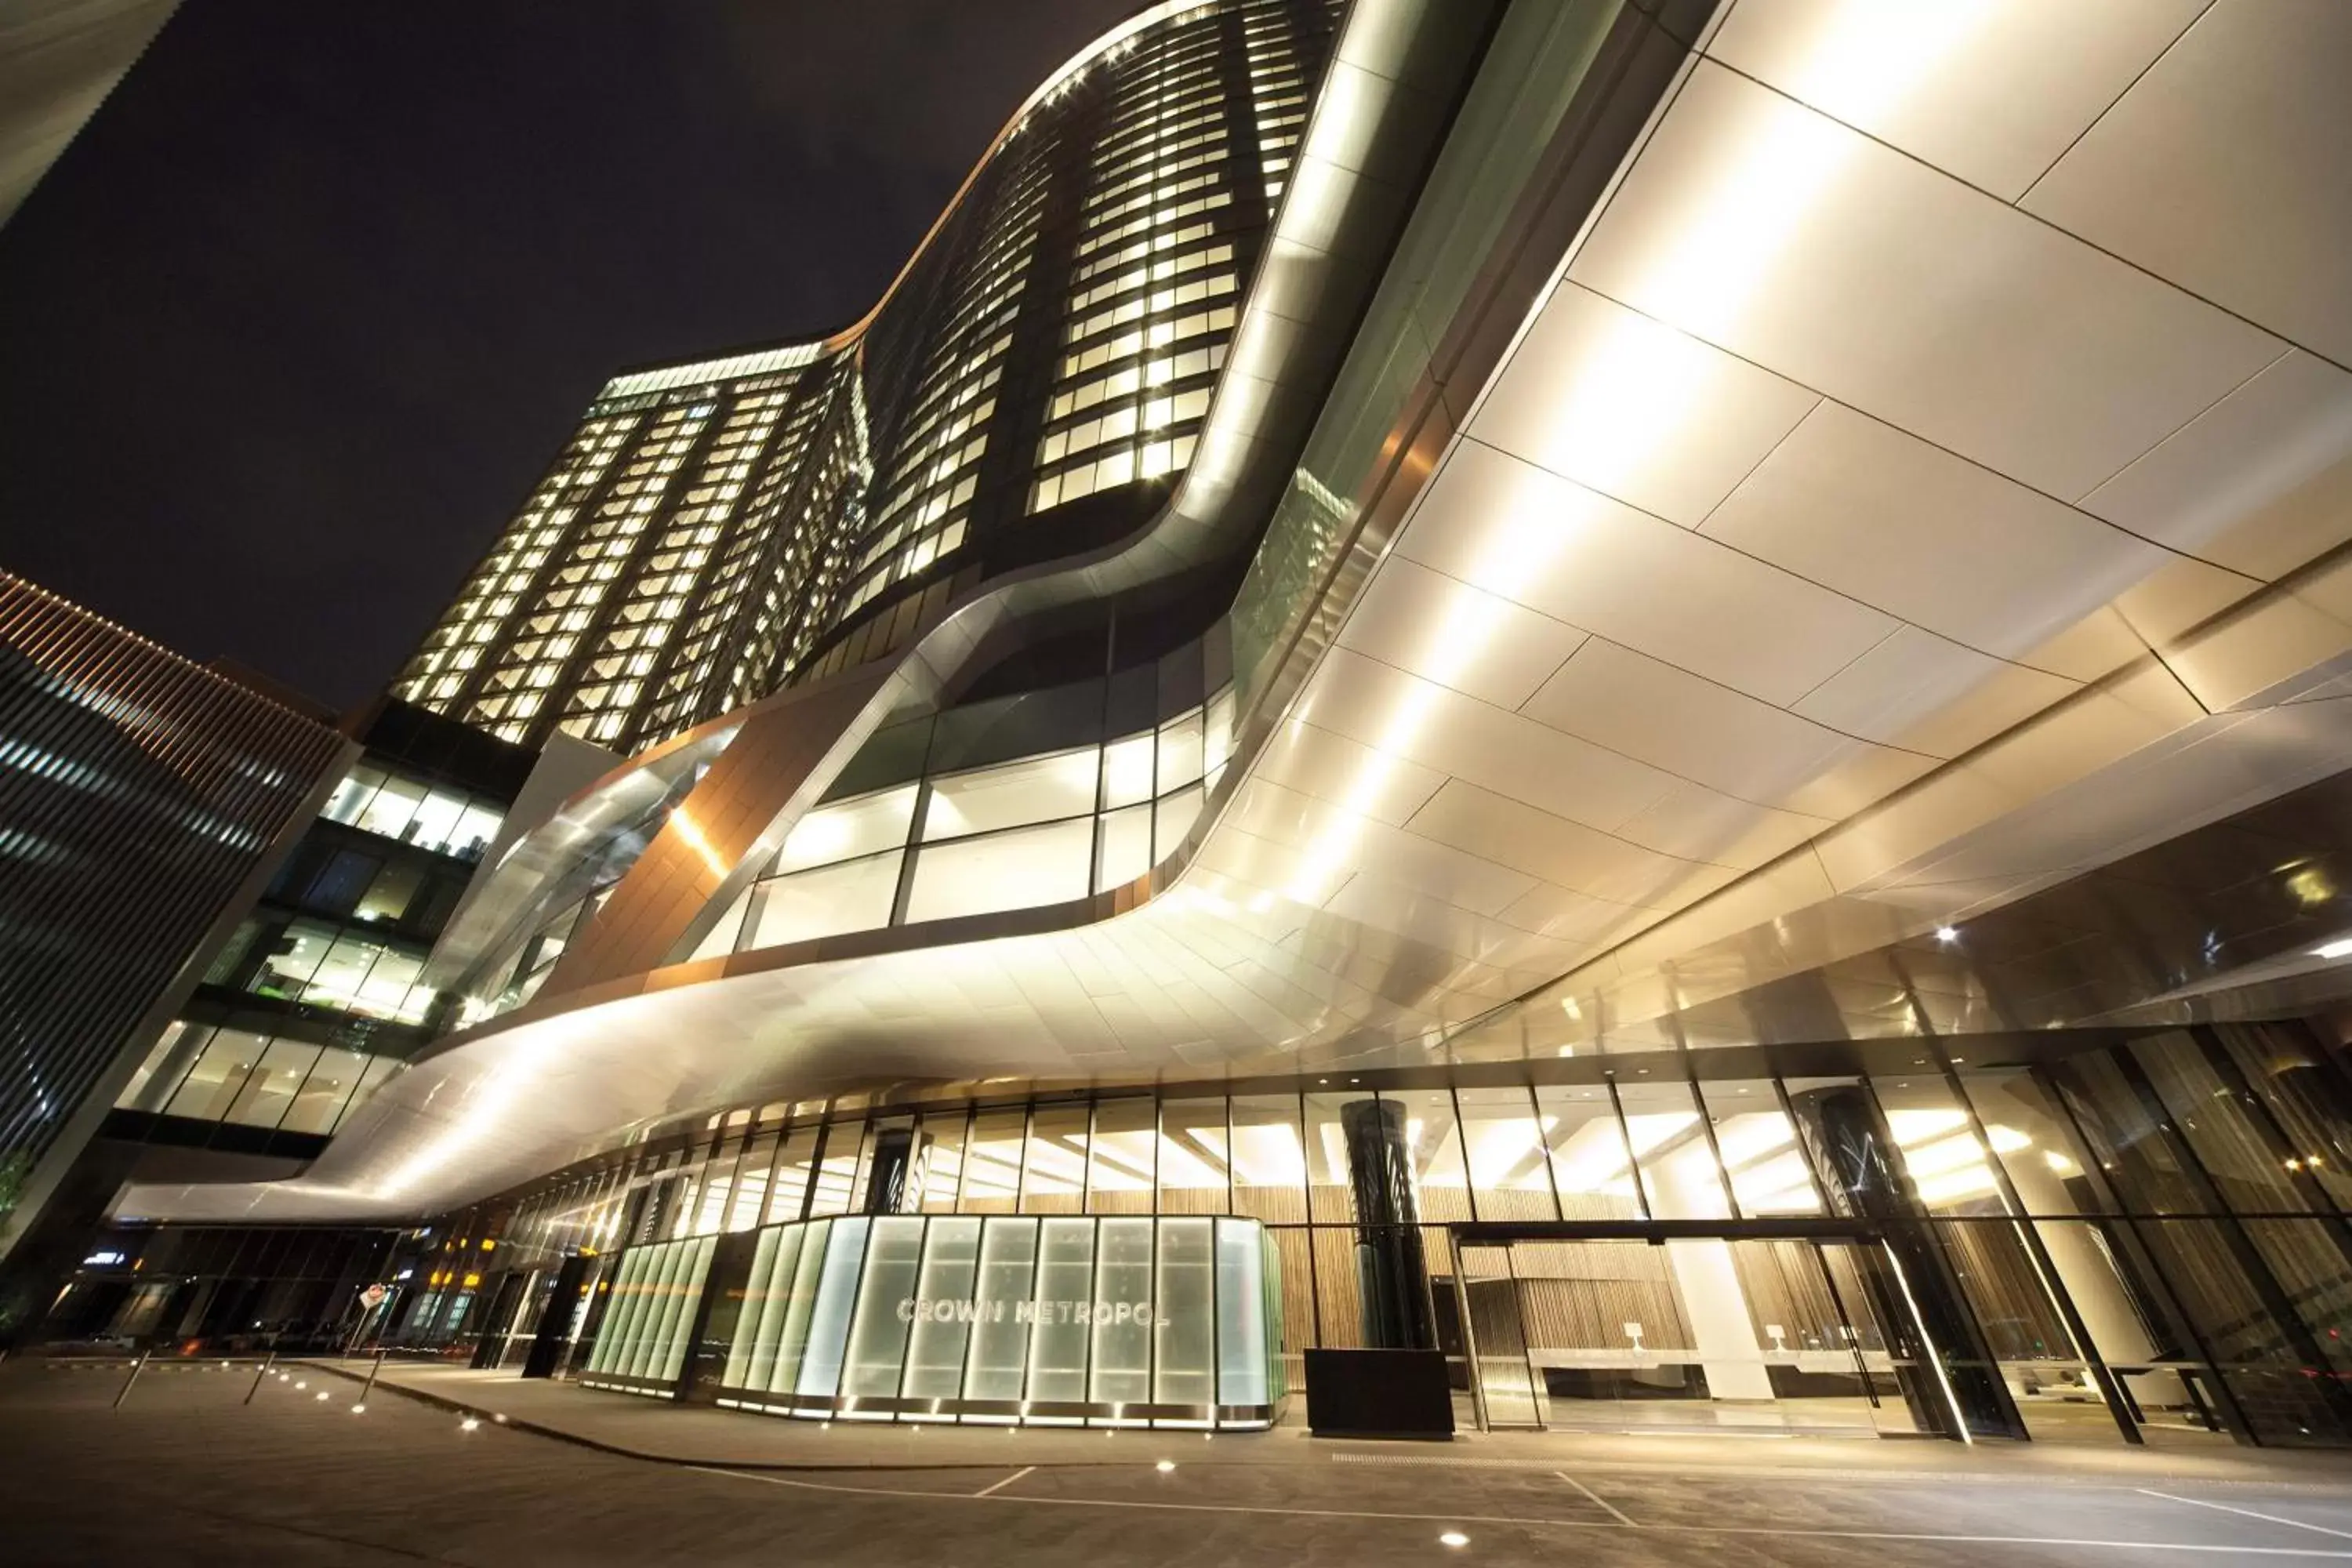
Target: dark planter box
1378,1393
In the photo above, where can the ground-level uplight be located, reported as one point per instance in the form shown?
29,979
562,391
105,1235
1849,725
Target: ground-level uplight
470,1423
1164,1466
1454,1538
322,1394
359,1409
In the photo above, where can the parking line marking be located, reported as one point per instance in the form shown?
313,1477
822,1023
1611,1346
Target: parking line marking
1614,1511
1006,1481
2249,1513
2088,1542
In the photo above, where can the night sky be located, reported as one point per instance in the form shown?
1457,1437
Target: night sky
295,322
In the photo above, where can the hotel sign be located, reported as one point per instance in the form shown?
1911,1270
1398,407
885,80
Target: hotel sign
968,1310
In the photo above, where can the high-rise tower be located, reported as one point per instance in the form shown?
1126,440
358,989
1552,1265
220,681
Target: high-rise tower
1028,388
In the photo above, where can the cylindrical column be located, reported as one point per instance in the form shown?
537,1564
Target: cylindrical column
1391,1274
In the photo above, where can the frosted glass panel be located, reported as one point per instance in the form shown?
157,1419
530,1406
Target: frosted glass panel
1065,1278
1005,871
1127,771
1125,847
1177,813
1180,751
999,1340
877,1344
1122,1314
1185,1307
848,829
942,1331
828,1330
1037,789
854,895
1241,1314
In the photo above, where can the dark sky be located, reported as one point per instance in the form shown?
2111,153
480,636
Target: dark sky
295,322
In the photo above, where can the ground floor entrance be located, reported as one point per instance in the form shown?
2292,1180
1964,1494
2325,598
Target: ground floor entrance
1805,1326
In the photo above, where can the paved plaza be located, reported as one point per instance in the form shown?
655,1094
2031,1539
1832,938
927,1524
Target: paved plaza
186,1472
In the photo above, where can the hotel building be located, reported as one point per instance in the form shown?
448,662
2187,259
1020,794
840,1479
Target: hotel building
1644,695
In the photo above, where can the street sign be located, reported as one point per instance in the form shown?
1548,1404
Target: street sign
372,1297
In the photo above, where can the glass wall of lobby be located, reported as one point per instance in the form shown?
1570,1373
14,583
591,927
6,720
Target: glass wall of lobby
2143,1240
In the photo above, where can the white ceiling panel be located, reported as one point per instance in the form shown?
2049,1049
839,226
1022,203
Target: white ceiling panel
1992,91
1888,690
1837,262
1579,557
1700,824
1635,409
1460,636
1674,719
1560,852
2261,482
1860,507
1324,763
2222,169
1396,714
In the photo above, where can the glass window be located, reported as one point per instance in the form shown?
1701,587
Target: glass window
848,829
2307,1101
1592,1169
2030,1136
389,894
1941,1154
211,1085
751,1183
1119,1156
998,1359
320,1099
991,1169
1173,819
1185,1297
353,793
300,948
372,1078
392,808
269,1089
437,819
1768,1171
1037,789
943,1159
1192,1157
1120,1372
1127,771
1057,1344
1509,1177
1020,869
391,989
1124,851
1054,1179
340,883
160,1074
1331,1189
854,895
1677,1169
789,1187
1269,1160
2221,1126
2147,1167
1180,753
475,830
837,1174
1441,1184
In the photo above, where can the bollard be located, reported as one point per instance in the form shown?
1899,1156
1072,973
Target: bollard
136,1367
259,1375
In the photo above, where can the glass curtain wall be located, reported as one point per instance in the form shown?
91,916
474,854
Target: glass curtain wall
2156,1232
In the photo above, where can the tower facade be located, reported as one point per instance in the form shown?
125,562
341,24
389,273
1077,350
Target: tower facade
1029,388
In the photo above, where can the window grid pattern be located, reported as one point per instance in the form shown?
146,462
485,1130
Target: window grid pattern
718,529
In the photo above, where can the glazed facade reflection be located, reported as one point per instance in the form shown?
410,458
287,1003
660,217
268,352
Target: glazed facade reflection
2146,1241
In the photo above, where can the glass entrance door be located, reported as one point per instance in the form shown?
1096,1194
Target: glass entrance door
1708,1333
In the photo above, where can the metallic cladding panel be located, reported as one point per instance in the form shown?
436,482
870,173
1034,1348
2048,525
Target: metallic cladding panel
139,793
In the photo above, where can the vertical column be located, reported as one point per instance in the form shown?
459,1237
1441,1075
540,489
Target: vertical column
894,1181
1853,1151
1391,1274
